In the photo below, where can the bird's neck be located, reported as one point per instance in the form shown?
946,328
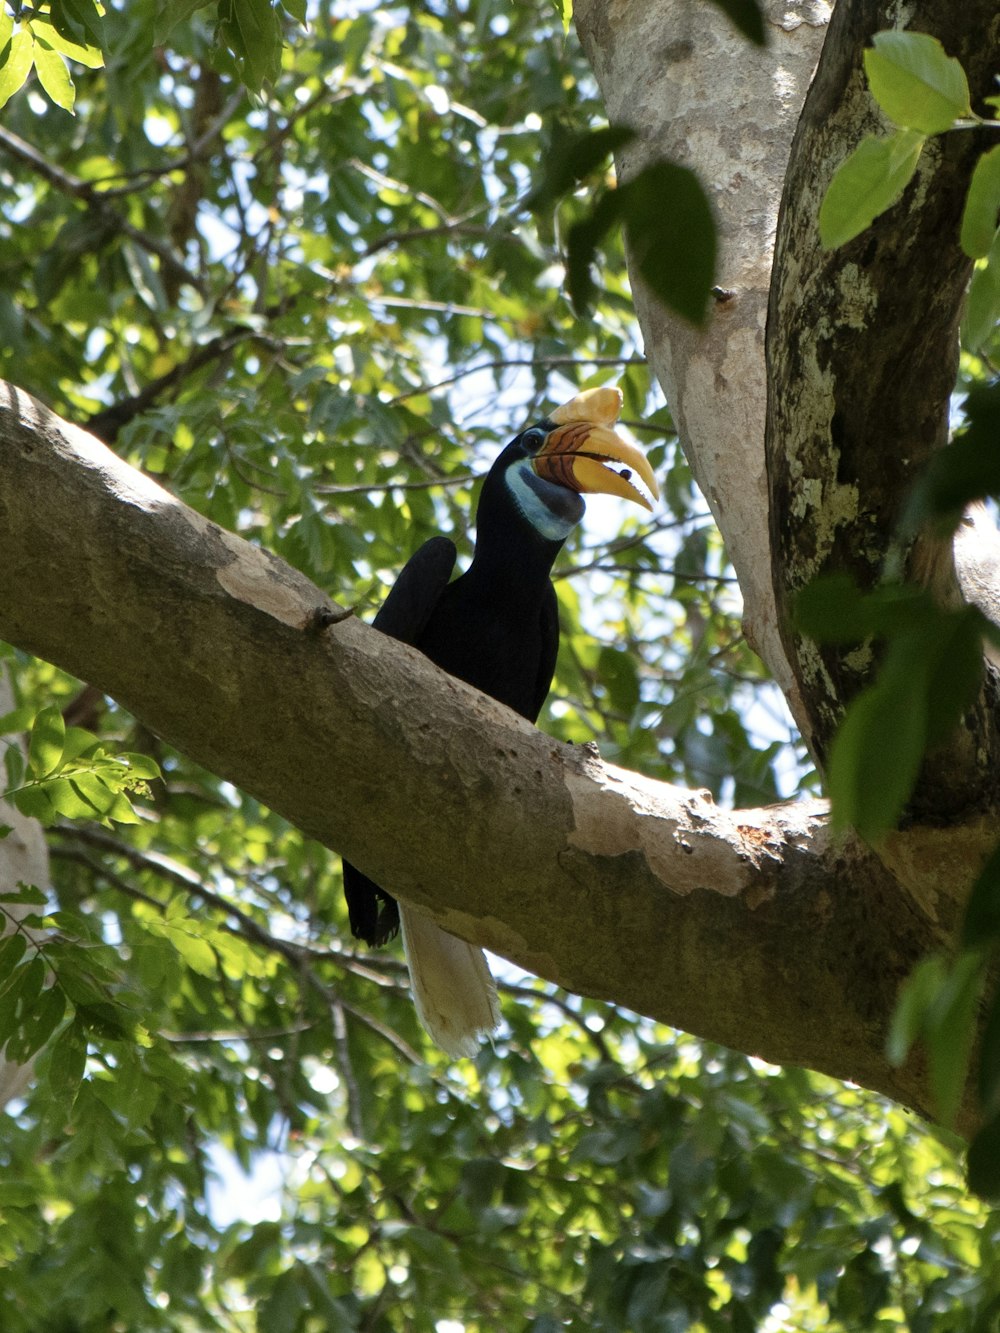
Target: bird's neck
512,566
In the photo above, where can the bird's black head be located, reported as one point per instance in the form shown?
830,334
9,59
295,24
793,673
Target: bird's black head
546,470
550,507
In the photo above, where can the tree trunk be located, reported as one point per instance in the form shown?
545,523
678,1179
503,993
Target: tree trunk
667,69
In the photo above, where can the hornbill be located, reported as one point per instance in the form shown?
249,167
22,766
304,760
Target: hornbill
496,627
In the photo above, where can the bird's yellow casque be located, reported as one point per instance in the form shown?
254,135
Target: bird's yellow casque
586,454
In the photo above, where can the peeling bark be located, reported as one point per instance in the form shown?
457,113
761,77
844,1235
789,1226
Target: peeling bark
751,928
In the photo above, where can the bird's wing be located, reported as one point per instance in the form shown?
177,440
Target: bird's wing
550,649
414,595
373,913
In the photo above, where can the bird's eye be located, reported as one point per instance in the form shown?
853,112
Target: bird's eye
533,439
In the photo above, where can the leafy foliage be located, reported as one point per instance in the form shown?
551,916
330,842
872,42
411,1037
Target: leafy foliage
314,312
68,773
930,673
923,92
668,222
931,657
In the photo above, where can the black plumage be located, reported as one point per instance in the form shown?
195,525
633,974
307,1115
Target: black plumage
497,628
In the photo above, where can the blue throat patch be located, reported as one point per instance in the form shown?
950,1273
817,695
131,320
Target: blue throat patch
553,511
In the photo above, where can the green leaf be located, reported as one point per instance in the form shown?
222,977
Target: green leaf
915,83
938,1003
982,308
572,158
14,764
930,673
285,1305
141,766
913,1008
54,77
967,470
747,17
876,753
253,31
989,1057
52,798
171,14
671,231
16,61
19,998
40,1022
982,206
981,924
832,609
866,184
954,648
94,792
66,1062
28,894
45,745
18,1194
617,670
82,53
952,1031
19,719
76,19
12,950
197,953
581,247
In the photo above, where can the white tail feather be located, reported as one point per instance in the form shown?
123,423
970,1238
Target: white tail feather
453,988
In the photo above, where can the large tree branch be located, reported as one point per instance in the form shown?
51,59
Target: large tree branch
750,928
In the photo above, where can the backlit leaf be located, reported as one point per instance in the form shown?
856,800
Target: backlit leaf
16,60
982,206
45,744
915,83
870,181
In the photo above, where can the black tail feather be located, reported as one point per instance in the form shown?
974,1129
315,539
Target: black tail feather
374,914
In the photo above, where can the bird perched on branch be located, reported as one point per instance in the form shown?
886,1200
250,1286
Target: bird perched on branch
497,628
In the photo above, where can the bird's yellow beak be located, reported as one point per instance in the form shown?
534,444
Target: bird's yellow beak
585,454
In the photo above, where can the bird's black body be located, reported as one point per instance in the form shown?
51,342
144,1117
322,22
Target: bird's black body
495,627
